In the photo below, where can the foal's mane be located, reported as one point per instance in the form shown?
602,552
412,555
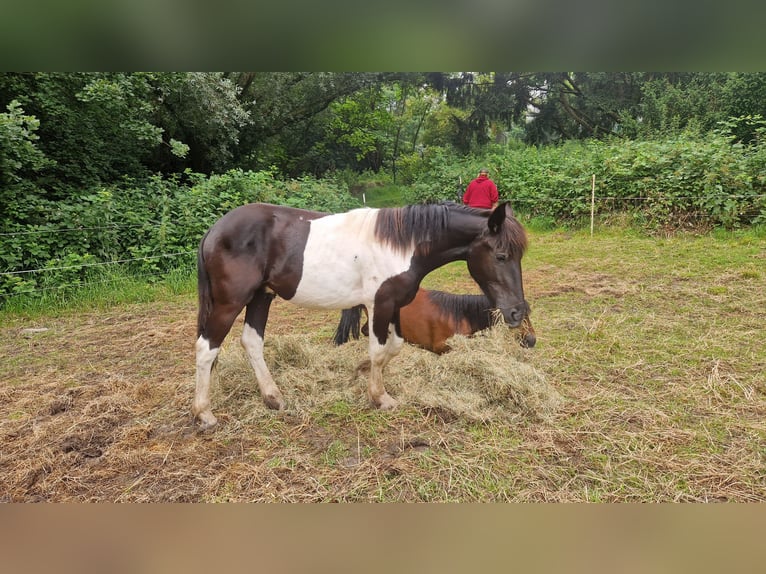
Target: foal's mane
474,308
401,227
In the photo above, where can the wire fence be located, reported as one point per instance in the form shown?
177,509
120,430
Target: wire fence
69,230
80,285
33,280
72,285
96,264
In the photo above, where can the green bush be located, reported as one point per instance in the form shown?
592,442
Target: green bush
155,225
149,227
682,180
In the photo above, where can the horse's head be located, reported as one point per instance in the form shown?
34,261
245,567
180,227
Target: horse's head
494,261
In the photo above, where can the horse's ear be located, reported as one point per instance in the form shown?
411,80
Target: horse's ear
497,217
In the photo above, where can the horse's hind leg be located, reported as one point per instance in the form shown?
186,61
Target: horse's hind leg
252,340
217,325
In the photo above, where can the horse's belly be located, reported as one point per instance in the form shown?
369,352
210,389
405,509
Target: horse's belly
329,293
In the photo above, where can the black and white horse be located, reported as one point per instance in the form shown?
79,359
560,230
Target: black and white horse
374,257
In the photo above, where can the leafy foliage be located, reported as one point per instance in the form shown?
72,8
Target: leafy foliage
133,166
148,227
18,149
676,181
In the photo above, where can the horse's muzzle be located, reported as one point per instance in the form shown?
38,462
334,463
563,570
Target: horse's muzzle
528,340
513,316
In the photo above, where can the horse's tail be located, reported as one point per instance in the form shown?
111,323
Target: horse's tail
349,324
203,291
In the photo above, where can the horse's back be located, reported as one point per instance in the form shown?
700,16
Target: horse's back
242,226
253,245
424,323
435,316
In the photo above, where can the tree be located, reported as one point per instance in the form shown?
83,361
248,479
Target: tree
288,115
383,122
566,105
19,159
360,127
198,113
486,98
744,102
95,127
100,127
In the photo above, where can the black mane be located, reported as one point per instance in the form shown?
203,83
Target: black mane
401,227
476,309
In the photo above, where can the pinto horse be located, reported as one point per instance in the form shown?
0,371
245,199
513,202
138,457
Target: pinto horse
432,318
373,257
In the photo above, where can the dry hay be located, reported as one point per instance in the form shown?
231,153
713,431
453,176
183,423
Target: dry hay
483,378
117,427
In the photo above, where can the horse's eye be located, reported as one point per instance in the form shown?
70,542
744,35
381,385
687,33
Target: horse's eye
501,256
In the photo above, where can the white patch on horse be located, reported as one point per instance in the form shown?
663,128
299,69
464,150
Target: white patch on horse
201,405
343,263
253,344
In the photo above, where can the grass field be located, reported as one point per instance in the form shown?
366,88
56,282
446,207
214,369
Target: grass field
655,347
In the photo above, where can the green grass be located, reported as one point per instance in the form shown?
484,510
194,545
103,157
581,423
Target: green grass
388,195
101,290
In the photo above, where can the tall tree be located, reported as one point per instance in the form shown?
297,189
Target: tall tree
95,127
98,127
568,105
204,112
486,98
285,108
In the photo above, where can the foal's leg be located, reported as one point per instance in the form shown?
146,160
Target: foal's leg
380,355
208,345
252,340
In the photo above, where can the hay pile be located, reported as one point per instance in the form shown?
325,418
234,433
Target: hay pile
483,378
118,427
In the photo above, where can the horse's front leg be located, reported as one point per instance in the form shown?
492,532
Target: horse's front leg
252,340
380,355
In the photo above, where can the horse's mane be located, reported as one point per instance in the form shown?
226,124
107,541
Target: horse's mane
401,227
474,308
514,237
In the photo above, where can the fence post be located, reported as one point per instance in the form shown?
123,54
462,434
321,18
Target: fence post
592,202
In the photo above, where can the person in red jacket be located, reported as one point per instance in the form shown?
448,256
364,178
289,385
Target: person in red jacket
481,192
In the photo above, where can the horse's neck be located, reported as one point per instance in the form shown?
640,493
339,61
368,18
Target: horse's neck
452,246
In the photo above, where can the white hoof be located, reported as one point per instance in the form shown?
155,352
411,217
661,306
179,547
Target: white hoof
206,420
385,402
